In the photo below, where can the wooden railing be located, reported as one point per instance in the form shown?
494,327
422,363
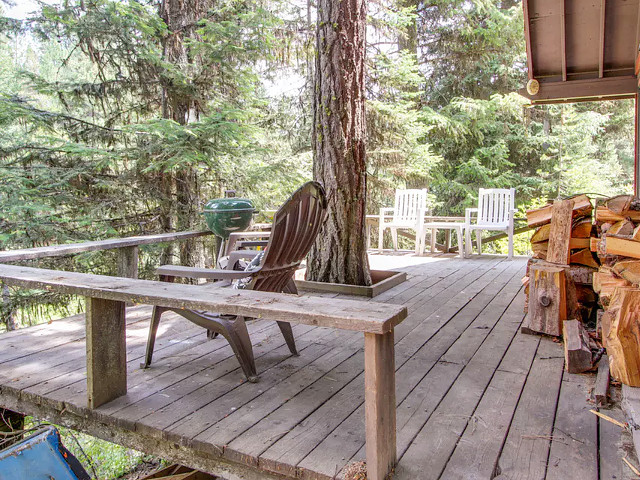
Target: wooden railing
106,298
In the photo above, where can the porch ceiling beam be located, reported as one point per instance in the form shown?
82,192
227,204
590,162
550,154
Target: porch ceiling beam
602,30
563,41
607,88
527,37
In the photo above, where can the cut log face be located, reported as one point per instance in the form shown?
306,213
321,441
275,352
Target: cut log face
619,204
629,270
584,257
623,227
623,339
541,234
636,234
560,233
582,228
547,300
577,354
581,207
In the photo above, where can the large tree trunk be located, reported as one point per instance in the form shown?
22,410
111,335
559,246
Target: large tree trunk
339,130
181,18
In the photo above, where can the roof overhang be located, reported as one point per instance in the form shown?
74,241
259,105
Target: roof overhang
582,50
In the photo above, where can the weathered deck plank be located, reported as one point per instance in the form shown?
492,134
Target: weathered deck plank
525,452
473,392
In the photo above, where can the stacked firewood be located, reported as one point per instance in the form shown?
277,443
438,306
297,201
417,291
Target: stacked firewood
617,281
561,299
569,246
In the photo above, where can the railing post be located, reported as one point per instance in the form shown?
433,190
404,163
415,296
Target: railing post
128,262
106,351
380,404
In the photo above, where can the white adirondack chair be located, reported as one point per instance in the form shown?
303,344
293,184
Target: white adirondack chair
408,213
496,207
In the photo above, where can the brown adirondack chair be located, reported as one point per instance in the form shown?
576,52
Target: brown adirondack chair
295,227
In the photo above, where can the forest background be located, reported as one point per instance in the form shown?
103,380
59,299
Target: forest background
112,124
122,117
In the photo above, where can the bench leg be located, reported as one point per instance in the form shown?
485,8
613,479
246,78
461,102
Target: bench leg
106,351
380,404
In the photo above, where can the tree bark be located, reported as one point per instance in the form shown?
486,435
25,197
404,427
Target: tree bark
181,18
339,255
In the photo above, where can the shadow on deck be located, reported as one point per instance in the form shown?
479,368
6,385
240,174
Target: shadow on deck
475,398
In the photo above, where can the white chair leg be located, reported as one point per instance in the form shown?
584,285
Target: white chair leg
467,241
394,237
433,240
510,255
380,238
420,241
479,241
461,246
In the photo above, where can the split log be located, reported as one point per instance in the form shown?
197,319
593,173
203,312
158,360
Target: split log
560,233
623,339
541,234
577,354
605,281
623,227
619,204
584,257
576,243
581,207
605,325
604,215
582,228
540,247
629,270
551,299
621,246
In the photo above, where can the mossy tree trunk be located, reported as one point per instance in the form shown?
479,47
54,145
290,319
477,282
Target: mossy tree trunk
339,131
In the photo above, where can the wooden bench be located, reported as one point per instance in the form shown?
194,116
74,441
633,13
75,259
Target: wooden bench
106,350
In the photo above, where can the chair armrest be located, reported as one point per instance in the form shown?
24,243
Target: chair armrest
467,214
208,273
382,213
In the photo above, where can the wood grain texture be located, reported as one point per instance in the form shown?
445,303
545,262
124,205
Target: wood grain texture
380,404
344,314
623,336
106,351
547,300
560,233
73,248
577,354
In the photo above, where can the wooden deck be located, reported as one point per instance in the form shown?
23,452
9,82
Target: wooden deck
475,398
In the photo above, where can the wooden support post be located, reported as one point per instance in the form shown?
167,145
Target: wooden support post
380,404
106,351
128,262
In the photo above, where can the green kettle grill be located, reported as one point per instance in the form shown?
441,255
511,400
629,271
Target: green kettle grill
227,215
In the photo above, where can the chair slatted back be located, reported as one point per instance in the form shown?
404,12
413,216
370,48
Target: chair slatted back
410,207
295,227
495,205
